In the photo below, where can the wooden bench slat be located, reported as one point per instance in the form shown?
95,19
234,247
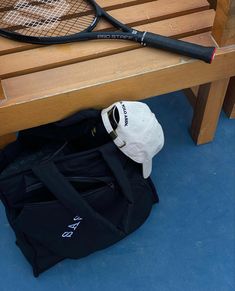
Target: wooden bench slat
53,56
154,11
157,10
8,46
83,74
42,101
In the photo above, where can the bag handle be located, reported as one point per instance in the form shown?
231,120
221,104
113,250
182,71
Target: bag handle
110,154
54,180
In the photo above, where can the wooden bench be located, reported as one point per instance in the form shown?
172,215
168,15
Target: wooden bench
41,84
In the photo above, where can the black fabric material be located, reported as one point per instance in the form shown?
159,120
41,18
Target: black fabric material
63,201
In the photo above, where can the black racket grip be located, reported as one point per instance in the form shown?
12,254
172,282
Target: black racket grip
178,46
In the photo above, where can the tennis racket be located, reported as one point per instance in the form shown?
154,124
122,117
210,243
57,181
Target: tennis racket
61,21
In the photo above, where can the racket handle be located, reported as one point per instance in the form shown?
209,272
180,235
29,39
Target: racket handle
178,46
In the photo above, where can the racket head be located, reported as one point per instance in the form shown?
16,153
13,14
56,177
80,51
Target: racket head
47,21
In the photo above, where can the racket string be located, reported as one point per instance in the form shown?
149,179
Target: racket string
21,18
70,28
46,18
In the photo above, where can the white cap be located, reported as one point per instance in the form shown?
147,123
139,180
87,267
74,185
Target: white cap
138,134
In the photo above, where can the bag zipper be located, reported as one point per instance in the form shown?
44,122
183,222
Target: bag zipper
84,194
39,185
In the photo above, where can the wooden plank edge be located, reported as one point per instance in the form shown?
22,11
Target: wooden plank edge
120,4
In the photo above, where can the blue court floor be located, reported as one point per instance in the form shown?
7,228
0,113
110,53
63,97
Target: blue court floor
188,242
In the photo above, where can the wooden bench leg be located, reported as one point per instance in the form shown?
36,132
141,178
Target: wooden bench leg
6,139
207,109
229,101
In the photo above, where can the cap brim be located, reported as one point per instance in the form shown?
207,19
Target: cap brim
147,168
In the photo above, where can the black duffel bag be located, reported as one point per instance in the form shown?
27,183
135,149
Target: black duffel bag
66,202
